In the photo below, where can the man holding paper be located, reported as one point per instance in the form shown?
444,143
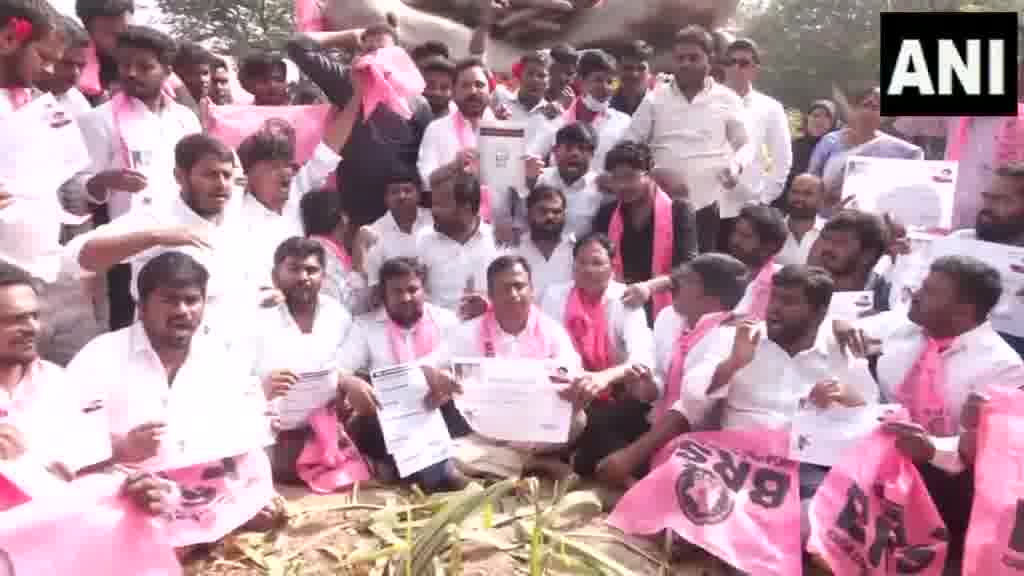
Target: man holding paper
515,329
404,428
181,409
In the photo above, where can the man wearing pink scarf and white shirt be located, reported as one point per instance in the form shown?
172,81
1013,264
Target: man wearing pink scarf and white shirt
515,328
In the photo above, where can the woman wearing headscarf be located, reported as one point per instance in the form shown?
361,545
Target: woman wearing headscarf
820,119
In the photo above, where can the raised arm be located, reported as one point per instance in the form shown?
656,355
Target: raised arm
308,53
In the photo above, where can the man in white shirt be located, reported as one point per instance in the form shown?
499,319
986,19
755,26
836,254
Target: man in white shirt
439,78
946,328
849,246
756,238
547,249
173,381
405,329
528,106
62,81
616,346
768,130
130,141
461,245
394,234
597,74
803,200
572,174
697,131
515,328
301,334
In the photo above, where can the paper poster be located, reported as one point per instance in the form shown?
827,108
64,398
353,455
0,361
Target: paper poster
415,437
917,193
822,437
502,148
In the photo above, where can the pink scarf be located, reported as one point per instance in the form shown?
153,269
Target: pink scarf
388,77
958,140
323,465
337,249
537,343
127,113
570,114
587,324
89,81
467,139
684,343
922,391
761,290
663,240
424,338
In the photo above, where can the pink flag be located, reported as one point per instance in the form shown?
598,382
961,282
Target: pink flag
389,77
995,535
86,529
309,16
324,465
723,492
873,516
232,124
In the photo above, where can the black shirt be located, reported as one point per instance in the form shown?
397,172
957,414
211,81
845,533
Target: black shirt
375,144
624,105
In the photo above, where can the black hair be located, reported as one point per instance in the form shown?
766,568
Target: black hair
722,276
11,275
466,190
870,230
565,54
403,173
768,223
858,90
74,35
599,238
89,10
431,49
695,35
172,269
503,263
471,62
976,282
265,146
261,65
152,40
401,267
321,212
745,44
636,50
538,57
635,155
191,54
438,64
542,191
300,248
1011,169
191,149
578,133
594,61
816,283
218,63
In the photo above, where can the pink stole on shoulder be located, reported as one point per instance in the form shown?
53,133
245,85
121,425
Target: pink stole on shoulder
663,243
922,391
389,77
538,346
684,343
958,140
761,290
337,249
467,139
587,323
424,337
89,81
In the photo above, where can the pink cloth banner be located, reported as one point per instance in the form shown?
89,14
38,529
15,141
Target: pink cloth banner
330,461
232,124
873,516
389,77
722,491
995,535
86,529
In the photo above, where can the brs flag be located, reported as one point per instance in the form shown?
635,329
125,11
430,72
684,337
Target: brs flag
873,516
232,124
995,536
728,496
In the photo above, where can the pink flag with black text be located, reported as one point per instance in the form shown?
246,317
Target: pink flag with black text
995,535
727,493
872,515
232,124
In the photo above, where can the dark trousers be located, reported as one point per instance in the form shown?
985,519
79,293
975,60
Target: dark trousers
953,496
725,226
119,282
707,228
611,425
1015,342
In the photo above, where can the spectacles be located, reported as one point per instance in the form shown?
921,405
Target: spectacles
738,62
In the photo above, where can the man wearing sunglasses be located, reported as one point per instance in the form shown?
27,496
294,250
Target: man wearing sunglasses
768,129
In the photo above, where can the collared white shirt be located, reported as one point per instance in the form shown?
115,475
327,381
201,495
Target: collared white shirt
547,272
533,119
368,346
453,267
694,140
633,340
763,179
279,344
135,389
155,143
74,102
45,408
268,229
668,325
392,242
467,343
611,127
796,251
582,199
768,391
440,144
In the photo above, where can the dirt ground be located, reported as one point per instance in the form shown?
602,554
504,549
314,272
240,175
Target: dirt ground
323,531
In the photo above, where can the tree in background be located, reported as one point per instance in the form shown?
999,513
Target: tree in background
230,26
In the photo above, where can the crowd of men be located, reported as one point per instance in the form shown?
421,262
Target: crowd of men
675,254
